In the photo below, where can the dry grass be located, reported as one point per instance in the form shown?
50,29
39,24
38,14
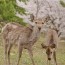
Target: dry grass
39,55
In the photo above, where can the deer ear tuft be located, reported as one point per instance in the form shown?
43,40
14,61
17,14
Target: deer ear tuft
43,46
47,18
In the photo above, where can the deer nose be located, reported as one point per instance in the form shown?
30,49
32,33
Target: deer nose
39,28
49,58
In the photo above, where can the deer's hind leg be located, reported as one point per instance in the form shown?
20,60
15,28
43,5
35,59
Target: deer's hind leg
8,52
5,51
31,55
20,49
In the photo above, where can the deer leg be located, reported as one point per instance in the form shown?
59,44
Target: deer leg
31,55
20,48
54,57
8,52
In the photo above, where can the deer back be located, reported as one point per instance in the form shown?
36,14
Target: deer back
20,34
51,37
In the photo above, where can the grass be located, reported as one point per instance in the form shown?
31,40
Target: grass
38,52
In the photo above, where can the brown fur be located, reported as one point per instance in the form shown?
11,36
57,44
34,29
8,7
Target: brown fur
51,36
25,37
51,43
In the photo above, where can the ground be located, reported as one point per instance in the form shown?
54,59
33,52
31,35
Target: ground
38,52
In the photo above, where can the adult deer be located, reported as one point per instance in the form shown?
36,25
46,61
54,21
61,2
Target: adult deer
51,44
25,37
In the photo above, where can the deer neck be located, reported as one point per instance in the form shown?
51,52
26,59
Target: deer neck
34,35
30,27
51,40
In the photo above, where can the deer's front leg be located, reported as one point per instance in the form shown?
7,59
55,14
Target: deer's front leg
54,57
31,55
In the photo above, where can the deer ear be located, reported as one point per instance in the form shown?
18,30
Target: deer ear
31,17
43,46
53,46
47,18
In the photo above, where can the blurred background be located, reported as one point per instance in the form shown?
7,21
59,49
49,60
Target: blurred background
19,11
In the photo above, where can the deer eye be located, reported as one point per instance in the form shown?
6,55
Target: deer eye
51,52
42,23
36,22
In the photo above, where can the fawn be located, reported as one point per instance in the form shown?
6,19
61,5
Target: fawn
25,37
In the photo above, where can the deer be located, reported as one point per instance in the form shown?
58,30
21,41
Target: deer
51,44
24,37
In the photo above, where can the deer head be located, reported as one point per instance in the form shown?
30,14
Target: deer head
31,11
49,50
